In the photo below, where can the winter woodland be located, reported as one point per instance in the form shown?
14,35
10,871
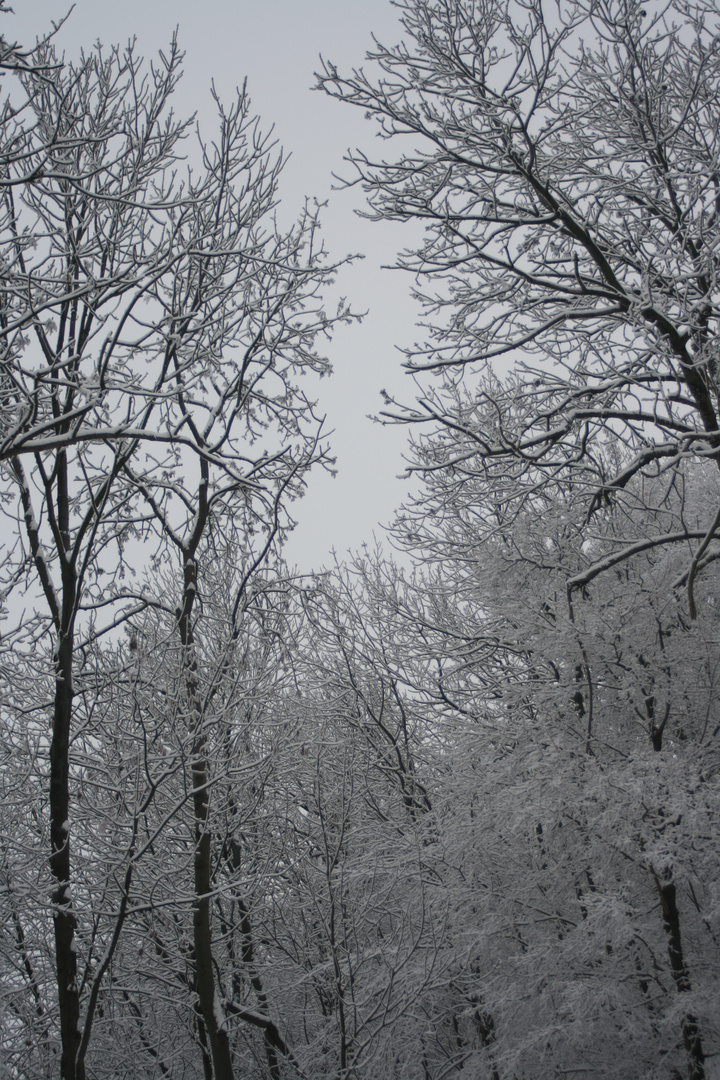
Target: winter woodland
445,815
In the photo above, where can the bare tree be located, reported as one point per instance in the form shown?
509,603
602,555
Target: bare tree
153,320
564,165
586,877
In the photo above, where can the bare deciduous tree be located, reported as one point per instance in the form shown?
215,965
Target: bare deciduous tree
564,165
154,321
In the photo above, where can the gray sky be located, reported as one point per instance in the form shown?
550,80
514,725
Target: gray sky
276,44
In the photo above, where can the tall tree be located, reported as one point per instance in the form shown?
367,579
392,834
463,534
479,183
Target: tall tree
154,320
565,168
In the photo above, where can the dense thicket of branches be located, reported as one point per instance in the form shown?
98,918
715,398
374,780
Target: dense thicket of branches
565,164
453,820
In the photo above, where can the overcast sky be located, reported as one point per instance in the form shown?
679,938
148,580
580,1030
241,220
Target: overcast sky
275,44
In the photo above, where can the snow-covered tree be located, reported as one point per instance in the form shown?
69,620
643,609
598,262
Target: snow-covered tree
154,322
564,166
581,726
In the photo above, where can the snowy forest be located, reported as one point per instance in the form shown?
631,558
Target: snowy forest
449,809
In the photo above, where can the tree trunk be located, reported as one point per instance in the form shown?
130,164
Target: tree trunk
256,982
210,1005
63,914
671,922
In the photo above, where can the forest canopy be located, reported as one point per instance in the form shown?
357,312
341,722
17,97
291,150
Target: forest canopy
449,814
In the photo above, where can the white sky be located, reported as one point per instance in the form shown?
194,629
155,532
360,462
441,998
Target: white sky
276,44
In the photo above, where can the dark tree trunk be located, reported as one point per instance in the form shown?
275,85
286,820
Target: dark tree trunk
210,1006
63,915
207,993
256,981
671,922
60,865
